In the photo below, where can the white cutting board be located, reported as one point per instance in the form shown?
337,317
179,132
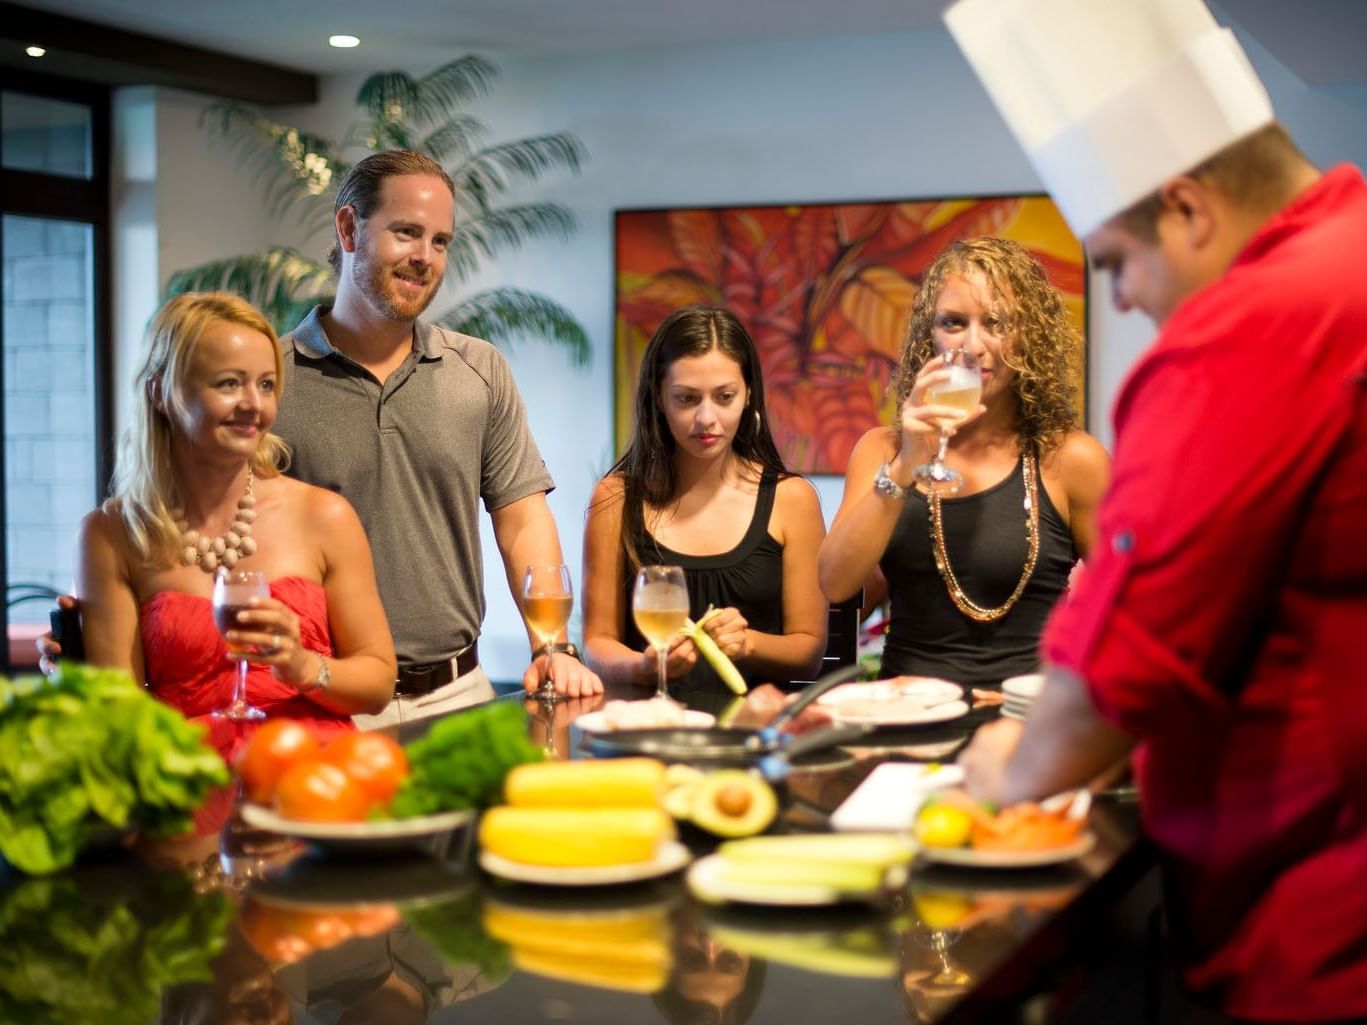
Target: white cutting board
888,798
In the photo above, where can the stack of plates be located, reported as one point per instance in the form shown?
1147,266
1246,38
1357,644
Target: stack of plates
1020,693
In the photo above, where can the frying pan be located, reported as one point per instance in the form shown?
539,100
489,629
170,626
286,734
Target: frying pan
731,746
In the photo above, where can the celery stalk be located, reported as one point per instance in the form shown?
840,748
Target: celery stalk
716,658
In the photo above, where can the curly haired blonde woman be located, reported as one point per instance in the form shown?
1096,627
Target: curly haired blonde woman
972,578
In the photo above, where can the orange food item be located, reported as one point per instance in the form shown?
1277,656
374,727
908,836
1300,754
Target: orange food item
376,762
318,791
1024,827
272,749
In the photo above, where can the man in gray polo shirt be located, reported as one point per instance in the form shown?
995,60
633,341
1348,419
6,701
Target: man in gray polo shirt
414,424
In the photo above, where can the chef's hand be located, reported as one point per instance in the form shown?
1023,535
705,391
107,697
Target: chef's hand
984,760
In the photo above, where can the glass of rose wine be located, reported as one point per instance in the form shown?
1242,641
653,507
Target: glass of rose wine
233,593
547,601
659,605
962,391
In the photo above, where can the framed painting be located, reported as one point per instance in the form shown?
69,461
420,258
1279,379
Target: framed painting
825,291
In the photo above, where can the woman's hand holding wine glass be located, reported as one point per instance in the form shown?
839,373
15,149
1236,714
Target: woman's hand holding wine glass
659,605
946,394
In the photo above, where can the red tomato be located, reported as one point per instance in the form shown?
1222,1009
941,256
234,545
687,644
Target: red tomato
316,791
272,749
373,760
270,932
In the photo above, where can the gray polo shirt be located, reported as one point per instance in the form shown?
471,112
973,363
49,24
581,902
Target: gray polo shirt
413,457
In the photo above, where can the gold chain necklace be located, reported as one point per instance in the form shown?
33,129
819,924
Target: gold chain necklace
965,604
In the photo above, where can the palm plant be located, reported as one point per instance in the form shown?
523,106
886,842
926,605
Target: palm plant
299,172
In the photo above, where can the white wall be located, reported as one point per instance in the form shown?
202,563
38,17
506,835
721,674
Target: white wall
892,116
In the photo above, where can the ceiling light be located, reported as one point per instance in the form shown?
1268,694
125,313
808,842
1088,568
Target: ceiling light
34,51
344,42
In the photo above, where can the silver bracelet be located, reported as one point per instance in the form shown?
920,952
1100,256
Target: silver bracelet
885,485
320,681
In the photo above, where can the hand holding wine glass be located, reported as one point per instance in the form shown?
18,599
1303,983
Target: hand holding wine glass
547,601
659,606
233,593
957,391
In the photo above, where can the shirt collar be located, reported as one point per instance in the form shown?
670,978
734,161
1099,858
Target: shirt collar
311,340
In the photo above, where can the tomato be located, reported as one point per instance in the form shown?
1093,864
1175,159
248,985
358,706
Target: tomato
270,932
317,791
271,750
373,760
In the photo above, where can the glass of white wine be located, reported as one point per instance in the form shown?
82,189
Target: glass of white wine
547,601
659,605
962,391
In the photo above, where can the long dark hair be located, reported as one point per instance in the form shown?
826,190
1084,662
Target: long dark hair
647,468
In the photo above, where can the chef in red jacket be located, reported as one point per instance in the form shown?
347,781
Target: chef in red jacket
1219,630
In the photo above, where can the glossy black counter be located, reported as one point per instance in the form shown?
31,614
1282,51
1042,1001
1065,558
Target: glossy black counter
241,926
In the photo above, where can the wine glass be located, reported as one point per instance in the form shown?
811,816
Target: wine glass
961,391
547,601
233,592
659,605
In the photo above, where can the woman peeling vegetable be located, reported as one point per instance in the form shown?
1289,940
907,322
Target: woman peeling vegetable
702,486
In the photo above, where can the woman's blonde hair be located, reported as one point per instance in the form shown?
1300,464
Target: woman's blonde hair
1044,345
145,488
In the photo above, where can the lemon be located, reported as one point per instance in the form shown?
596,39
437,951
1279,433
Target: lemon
940,910
943,825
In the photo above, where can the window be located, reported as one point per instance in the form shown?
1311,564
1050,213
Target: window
54,231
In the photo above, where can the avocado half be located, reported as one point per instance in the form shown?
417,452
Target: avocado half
733,803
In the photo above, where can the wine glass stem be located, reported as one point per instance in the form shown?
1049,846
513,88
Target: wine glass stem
548,683
240,687
662,659
944,445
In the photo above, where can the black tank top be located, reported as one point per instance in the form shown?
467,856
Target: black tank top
987,545
748,578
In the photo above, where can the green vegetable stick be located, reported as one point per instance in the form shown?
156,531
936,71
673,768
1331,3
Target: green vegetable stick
716,658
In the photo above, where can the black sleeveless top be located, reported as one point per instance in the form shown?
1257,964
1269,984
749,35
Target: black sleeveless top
748,578
987,545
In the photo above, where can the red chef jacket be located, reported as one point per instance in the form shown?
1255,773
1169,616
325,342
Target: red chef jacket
1222,618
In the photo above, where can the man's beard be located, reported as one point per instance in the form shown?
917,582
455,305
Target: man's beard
376,282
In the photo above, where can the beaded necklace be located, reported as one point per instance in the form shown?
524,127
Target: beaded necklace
962,601
208,553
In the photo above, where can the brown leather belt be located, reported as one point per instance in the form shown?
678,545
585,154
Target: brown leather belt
418,679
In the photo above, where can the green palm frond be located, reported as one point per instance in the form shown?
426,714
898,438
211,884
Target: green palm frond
459,137
396,102
299,171
504,316
441,92
281,282
483,234
493,169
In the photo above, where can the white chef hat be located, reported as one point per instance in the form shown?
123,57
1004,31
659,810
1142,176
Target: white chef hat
1110,98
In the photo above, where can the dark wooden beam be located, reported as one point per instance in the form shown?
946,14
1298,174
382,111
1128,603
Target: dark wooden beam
89,52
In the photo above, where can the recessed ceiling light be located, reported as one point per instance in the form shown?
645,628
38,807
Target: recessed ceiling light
344,42
34,51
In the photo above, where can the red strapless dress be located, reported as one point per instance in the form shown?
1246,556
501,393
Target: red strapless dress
186,663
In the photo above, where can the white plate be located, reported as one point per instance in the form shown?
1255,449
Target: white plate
967,857
705,882
1027,686
894,713
425,832
672,856
923,688
596,722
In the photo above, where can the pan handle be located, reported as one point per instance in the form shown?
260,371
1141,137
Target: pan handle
777,765
769,734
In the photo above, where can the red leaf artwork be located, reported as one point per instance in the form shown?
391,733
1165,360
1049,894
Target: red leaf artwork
825,291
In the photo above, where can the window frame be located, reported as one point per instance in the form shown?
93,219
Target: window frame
84,201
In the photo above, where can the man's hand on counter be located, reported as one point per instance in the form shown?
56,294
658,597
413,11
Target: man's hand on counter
571,677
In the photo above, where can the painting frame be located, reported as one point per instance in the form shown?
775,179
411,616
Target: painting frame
850,267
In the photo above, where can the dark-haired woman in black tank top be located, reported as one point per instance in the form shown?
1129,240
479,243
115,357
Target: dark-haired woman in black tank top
972,578
702,486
